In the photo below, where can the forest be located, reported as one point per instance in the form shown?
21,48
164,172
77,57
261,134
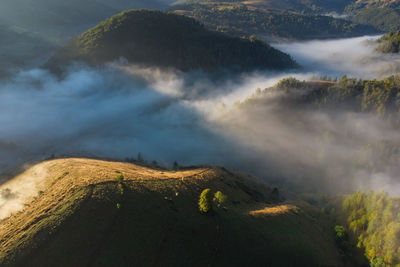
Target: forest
384,15
156,38
373,221
241,20
389,43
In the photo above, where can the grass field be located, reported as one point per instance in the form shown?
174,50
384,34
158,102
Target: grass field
83,216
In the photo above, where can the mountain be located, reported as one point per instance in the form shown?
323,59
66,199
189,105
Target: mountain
58,17
266,20
27,49
155,38
384,15
309,6
103,213
350,105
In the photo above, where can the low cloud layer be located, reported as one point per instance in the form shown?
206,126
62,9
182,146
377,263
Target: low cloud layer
354,57
120,110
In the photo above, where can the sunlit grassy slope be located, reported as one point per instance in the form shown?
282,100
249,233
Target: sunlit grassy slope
75,221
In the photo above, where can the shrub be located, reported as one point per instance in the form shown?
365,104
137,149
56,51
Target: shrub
220,199
205,202
296,209
341,237
340,232
120,178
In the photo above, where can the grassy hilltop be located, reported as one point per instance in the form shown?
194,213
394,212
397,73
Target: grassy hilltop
88,217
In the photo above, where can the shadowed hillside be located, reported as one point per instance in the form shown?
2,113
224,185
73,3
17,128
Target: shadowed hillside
155,38
267,19
85,216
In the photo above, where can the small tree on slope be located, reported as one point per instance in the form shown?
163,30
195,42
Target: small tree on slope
205,202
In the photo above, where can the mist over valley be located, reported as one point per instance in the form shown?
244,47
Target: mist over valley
175,132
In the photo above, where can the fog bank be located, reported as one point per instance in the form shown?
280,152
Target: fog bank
355,57
195,118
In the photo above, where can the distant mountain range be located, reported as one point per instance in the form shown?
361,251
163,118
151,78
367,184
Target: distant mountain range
63,17
383,15
271,19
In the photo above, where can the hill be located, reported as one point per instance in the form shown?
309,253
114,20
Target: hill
155,38
84,216
384,15
27,49
389,43
63,18
309,6
349,105
266,20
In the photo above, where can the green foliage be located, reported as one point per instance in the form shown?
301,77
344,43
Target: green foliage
163,39
373,218
241,20
341,236
379,97
220,199
296,209
380,14
205,202
304,6
120,178
389,43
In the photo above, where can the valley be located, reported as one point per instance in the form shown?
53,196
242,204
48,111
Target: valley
199,133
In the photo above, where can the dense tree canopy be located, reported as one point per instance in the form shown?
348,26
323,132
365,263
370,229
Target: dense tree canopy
242,20
162,39
389,43
374,219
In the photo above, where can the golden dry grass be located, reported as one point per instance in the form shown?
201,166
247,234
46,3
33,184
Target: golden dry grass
57,179
77,172
272,210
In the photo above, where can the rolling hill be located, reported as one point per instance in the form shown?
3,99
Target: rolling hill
384,15
159,39
309,6
83,216
266,20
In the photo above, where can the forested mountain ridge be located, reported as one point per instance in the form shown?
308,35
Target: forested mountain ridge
381,15
380,97
308,6
240,18
160,39
352,111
